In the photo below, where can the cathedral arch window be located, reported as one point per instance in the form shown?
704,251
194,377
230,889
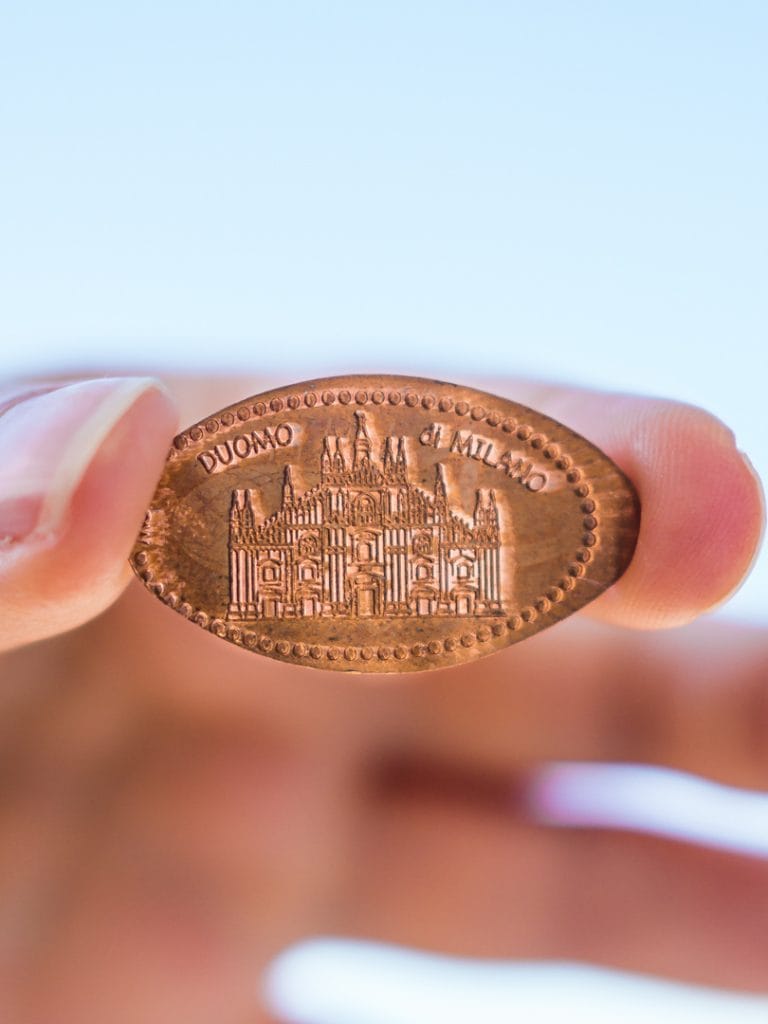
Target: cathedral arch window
365,547
308,545
422,544
365,509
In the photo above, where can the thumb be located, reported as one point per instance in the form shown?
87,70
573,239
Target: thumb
79,465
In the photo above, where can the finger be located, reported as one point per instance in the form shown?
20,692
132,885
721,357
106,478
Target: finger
693,698
80,465
188,858
702,509
464,878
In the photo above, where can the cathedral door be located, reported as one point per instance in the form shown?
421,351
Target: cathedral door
269,610
365,601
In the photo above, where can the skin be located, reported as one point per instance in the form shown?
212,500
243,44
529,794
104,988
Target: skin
174,810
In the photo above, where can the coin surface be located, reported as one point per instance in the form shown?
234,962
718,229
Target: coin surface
367,523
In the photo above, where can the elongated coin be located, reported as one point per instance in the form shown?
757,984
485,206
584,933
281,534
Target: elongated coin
383,524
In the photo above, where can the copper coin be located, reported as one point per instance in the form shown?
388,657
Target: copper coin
383,524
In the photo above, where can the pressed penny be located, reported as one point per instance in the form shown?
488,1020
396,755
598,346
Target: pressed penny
383,523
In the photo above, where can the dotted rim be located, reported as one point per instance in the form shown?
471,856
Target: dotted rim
576,569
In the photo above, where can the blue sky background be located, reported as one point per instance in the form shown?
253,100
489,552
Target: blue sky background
570,189
503,178
574,186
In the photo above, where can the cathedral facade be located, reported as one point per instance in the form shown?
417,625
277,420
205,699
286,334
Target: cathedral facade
363,542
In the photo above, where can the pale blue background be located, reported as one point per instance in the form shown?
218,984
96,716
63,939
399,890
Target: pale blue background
571,189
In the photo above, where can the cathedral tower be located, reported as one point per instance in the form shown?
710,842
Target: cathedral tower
288,492
362,445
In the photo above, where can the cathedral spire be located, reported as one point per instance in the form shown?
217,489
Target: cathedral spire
388,458
250,508
492,509
400,466
326,458
362,447
339,464
288,492
440,490
479,506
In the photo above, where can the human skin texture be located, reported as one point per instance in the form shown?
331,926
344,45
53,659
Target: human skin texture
174,810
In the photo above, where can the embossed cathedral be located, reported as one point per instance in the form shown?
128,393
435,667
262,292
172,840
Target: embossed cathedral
363,542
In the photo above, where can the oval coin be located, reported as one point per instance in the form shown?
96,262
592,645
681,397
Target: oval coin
365,523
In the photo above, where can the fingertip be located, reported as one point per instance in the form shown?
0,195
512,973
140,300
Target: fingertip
100,479
702,515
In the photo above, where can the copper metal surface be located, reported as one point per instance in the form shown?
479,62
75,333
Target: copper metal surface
383,524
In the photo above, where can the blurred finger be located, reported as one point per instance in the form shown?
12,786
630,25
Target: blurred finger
694,699
461,876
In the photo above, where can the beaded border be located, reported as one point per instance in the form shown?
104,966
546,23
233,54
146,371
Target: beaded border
316,653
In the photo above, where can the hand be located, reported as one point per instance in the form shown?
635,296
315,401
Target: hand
176,810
